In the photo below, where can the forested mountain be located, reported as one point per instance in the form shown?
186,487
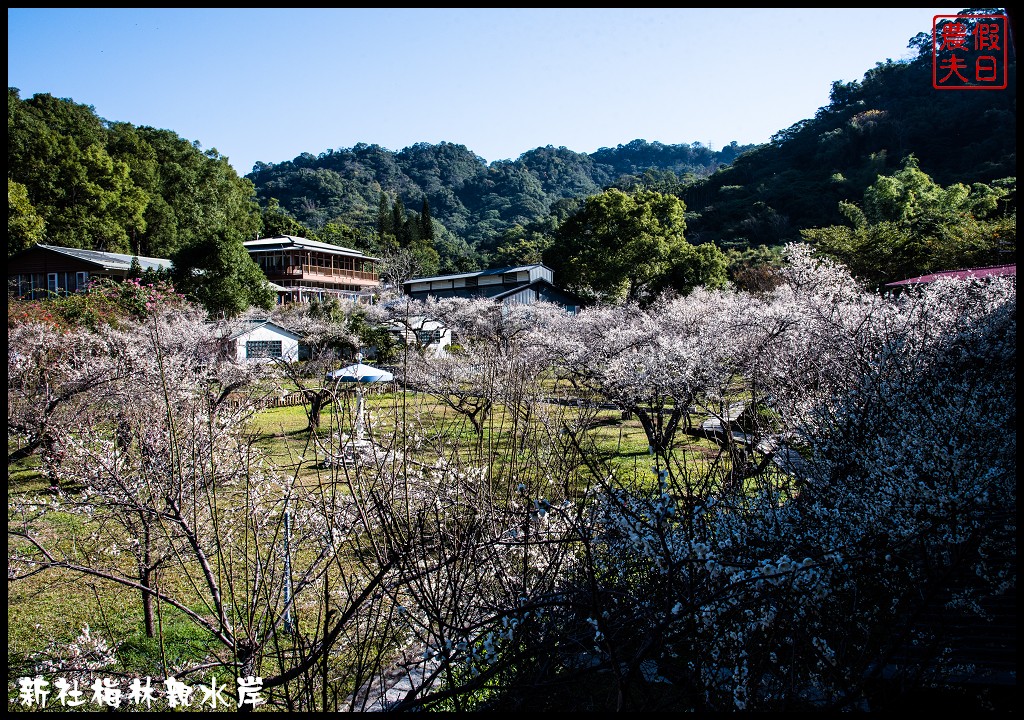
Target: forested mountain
737,197
868,129
78,180
471,199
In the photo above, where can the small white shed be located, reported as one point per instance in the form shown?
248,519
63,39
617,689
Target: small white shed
265,341
430,335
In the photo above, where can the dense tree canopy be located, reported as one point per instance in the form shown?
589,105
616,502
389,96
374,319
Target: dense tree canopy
111,186
627,247
85,196
218,272
106,185
909,225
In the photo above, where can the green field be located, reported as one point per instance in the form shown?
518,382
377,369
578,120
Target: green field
555,450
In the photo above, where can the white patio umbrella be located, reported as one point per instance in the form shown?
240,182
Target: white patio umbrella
359,374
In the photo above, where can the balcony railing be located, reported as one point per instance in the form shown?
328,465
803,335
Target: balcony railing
316,271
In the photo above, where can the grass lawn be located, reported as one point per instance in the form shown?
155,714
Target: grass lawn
423,423
540,445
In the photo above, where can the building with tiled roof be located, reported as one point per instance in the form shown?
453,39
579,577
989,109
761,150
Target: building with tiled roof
44,270
307,269
524,284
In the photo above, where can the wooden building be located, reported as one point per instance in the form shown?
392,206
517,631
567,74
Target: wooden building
48,270
523,284
306,269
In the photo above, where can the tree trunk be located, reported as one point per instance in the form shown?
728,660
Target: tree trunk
50,459
318,400
146,576
659,434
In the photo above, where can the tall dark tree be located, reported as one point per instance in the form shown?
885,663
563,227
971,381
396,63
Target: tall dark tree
398,221
426,222
385,221
411,231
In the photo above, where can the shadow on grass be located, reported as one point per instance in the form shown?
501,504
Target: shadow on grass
183,644
27,477
289,433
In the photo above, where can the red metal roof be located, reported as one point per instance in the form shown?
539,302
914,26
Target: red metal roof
978,272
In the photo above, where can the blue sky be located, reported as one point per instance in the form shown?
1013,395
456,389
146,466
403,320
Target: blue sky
267,84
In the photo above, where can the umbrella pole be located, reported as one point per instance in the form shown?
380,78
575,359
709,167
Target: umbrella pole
359,412
359,399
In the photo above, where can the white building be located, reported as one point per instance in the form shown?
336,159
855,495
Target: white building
431,335
264,341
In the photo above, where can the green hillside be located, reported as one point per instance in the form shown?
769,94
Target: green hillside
78,180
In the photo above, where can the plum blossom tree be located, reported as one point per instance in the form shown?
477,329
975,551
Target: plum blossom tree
169,486
489,539
499,358
332,331
49,375
655,363
117,448
54,360
787,596
510,577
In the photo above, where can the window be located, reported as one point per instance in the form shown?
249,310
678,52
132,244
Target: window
51,282
472,281
510,278
262,349
428,337
81,280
